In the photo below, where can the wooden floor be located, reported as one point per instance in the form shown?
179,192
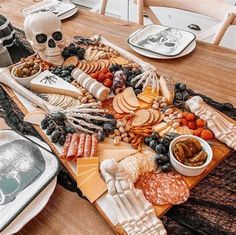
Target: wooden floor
65,214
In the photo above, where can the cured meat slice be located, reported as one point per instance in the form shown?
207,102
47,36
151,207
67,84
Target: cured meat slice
94,145
80,150
66,146
163,188
87,146
72,151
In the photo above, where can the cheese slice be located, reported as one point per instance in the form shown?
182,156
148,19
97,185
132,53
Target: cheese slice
87,161
46,82
85,168
118,154
81,178
144,105
93,187
167,88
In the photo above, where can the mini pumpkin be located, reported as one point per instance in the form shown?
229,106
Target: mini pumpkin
7,32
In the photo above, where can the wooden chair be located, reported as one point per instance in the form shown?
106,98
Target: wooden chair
216,9
103,7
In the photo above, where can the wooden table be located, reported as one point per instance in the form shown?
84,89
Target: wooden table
209,69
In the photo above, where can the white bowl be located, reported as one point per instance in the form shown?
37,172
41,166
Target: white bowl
26,80
190,170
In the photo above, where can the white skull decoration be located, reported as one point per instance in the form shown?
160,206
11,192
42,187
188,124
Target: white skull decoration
43,30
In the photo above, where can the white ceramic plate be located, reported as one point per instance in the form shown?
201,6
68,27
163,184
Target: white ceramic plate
69,9
149,54
31,210
35,206
162,40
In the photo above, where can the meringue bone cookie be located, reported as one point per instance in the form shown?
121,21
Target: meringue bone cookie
91,85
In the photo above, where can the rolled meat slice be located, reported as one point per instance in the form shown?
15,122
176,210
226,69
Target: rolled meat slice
94,145
80,150
72,151
66,146
87,146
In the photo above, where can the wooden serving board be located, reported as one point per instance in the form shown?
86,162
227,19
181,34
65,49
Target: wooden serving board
220,152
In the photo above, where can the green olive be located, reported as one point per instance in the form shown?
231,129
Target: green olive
36,67
33,72
26,71
18,72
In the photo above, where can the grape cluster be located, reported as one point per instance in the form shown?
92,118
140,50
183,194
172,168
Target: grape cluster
56,127
64,72
161,146
130,74
72,50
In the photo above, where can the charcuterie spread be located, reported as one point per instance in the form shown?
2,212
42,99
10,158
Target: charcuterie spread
114,119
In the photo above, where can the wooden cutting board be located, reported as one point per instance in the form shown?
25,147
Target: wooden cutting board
220,152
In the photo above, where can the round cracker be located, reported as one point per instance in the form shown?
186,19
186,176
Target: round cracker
151,119
72,60
156,114
121,106
141,117
124,103
116,106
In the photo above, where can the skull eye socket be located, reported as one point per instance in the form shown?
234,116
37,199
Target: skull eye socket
57,36
41,38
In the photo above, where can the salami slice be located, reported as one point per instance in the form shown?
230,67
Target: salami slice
94,145
163,188
80,150
72,151
66,146
87,146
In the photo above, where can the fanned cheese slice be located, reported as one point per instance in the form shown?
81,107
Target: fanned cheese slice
87,161
85,168
81,178
93,187
167,88
46,82
118,155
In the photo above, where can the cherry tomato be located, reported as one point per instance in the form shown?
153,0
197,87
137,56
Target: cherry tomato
107,82
109,75
101,77
104,70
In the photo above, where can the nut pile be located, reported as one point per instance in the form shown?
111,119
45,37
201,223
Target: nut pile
110,53
172,117
28,68
86,97
159,102
121,132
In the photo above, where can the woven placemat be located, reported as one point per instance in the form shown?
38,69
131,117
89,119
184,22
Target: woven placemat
211,208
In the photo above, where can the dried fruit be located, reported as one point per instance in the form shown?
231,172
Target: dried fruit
192,125
198,131
184,122
190,117
207,135
200,123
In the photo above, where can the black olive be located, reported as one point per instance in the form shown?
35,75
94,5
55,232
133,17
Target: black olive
62,139
177,85
185,95
147,140
152,144
44,123
55,136
158,159
178,96
58,116
182,87
70,130
160,148
101,135
137,91
166,167
50,129
108,128
165,142
155,136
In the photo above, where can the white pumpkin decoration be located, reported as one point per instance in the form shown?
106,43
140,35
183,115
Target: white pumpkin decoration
43,31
